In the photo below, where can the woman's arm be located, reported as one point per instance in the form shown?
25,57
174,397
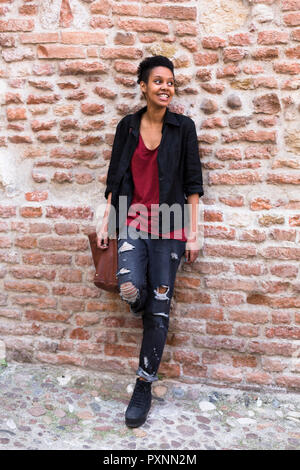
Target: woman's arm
102,234
192,245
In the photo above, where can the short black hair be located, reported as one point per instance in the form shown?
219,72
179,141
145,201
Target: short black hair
149,63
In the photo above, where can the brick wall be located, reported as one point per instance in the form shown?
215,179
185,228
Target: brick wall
67,76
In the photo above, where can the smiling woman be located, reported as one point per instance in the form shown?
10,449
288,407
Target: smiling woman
155,162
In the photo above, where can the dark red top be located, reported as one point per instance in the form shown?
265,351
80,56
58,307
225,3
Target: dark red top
144,171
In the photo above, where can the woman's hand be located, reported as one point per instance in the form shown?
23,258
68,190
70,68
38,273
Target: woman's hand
192,248
102,236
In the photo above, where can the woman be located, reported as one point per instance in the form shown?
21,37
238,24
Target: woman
154,161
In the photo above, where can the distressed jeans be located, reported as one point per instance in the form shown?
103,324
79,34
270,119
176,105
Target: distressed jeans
146,275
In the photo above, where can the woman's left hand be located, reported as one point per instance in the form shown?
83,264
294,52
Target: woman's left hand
192,248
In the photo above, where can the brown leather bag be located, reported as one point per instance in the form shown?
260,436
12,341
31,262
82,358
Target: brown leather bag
106,263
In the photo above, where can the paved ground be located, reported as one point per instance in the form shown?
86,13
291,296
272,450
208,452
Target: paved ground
50,407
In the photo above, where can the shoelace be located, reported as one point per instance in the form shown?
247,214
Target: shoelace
139,394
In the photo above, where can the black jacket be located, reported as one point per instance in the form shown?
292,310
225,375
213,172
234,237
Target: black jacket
179,166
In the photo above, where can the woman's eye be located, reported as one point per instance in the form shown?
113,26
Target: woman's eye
170,83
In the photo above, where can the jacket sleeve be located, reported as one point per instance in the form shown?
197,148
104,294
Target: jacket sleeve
192,177
118,145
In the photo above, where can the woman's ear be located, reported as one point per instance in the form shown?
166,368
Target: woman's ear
142,88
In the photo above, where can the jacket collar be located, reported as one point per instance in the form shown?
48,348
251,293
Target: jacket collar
169,118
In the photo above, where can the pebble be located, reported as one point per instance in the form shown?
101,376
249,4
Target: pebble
178,392
47,419
37,411
11,424
206,406
66,421
139,433
203,419
84,415
59,413
160,390
246,421
275,403
186,430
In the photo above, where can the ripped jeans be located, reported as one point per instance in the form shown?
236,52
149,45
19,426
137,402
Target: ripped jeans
146,275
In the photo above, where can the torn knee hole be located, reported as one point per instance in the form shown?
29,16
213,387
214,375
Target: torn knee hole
128,291
162,289
161,292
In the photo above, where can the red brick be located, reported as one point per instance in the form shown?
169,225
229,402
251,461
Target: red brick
246,330
32,258
40,302
69,212
230,250
26,286
219,328
170,12
173,370
70,275
283,332
30,212
227,374
82,37
143,25
244,361
281,252
291,382
57,258
270,348
68,244
194,370
16,25
80,67
7,211
36,196
261,378
40,315
76,291
102,7
87,319
292,19
120,351
37,38
287,5
57,51
26,241
5,242
34,273
230,298
49,99
16,114
92,108
284,270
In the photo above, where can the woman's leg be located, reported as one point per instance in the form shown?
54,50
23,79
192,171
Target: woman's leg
132,270
164,259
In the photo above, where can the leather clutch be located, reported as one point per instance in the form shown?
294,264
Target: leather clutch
106,263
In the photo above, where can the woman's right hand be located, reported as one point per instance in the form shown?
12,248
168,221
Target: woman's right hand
102,237
102,234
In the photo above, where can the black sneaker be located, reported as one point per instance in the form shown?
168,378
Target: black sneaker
139,405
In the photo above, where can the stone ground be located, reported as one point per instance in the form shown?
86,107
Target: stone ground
62,408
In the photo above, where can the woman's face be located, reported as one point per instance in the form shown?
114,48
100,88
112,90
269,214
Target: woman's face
160,88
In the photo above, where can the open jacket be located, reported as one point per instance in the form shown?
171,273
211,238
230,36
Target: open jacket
179,166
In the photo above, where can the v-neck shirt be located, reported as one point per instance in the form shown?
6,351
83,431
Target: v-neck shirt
144,169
